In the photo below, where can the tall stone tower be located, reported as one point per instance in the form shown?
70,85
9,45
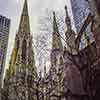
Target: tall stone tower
20,77
56,61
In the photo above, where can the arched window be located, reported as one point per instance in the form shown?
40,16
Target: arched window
24,50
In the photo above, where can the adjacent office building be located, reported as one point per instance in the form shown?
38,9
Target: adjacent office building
4,34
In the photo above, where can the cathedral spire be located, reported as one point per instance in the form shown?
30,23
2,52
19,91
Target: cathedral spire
22,69
55,26
23,52
67,20
56,40
24,22
70,34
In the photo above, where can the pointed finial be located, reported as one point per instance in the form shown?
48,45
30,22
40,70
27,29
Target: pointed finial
67,19
53,13
55,26
66,10
65,7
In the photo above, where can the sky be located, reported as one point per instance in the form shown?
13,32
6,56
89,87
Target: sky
13,8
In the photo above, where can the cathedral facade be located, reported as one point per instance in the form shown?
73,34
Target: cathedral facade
73,74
